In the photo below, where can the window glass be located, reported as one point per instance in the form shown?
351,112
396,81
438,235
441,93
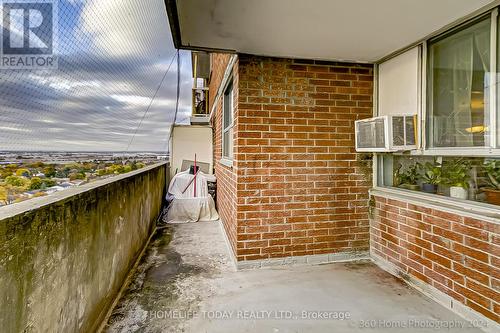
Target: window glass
227,123
458,88
470,178
228,144
497,78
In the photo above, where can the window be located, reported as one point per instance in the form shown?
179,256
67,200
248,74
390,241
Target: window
476,178
227,123
458,108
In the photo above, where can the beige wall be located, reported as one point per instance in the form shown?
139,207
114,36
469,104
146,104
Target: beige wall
188,141
63,259
398,84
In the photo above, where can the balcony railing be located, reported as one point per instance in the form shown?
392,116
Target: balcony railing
75,248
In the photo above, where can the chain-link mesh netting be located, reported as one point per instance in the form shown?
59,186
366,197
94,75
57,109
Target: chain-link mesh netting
112,58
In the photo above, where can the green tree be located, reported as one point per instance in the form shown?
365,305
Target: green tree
13,192
36,165
22,172
49,171
3,195
102,172
49,183
16,181
35,183
62,173
6,172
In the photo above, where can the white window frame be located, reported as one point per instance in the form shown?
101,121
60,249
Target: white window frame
492,149
467,206
227,160
422,112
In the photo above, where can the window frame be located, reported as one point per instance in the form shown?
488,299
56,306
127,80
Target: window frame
474,208
227,159
491,149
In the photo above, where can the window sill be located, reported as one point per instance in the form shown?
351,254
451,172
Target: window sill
226,162
477,210
470,152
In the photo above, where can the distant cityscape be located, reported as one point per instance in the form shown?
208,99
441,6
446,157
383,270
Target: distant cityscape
27,175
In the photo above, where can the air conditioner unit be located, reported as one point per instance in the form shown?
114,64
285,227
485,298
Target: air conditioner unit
386,134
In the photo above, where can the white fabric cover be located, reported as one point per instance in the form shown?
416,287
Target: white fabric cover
187,208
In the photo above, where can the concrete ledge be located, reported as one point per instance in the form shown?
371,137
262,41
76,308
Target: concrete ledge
63,258
37,203
486,324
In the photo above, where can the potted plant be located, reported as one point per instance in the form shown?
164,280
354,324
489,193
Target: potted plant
408,179
492,192
456,176
431,177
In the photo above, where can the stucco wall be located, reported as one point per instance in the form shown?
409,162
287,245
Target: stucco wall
188,141
64,258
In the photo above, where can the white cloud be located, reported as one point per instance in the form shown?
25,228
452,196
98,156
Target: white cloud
123,28
108,73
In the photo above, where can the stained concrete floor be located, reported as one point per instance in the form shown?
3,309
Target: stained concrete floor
187,283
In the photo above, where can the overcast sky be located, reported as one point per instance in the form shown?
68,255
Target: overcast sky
112,57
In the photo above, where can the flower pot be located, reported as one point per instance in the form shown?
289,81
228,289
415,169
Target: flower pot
492,196
458,192
429,188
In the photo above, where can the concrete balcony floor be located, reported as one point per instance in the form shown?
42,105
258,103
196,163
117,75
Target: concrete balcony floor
186,283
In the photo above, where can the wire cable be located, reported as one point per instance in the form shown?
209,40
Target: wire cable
176,102
154,96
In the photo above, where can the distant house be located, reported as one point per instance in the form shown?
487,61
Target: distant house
31,194
55,189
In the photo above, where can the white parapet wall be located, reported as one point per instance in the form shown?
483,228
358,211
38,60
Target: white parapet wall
188,140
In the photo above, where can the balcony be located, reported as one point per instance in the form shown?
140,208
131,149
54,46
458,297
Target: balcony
186,282
90,243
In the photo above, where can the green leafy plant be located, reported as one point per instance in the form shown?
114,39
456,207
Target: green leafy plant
432,173
410,177
492,169
456,173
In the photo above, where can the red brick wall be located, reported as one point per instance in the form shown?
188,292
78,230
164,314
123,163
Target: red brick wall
458,255
300,188
226,176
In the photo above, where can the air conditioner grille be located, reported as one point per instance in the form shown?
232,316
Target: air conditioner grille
371,134
398,131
